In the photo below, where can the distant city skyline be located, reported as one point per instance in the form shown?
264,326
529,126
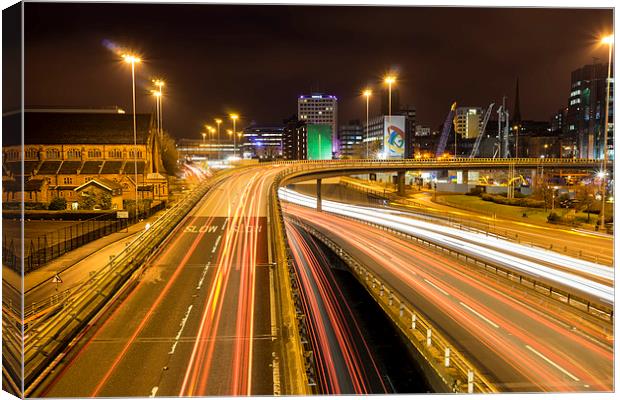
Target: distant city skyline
257,60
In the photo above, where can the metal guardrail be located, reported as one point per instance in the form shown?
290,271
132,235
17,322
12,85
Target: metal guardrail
295,344
46,340
443,356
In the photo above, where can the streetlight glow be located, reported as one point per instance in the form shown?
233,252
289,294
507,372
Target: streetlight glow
608,39
367,93
390,79
131,59
234,118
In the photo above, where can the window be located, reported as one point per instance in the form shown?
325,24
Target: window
32,154
74,154
575,101
94,153
138,153
52,154
11,155
68,180
115,153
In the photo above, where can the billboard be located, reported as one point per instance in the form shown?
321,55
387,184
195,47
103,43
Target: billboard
394,136
319,142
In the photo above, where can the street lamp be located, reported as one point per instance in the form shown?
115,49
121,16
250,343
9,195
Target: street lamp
160,84
133,60
157,95
218,122
609,41
367,93
204,135
234,118
230,133
390,79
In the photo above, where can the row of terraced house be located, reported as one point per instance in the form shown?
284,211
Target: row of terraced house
69,153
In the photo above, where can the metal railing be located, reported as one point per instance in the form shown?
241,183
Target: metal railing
295,344
443,356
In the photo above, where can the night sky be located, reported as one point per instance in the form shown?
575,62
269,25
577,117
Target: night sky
256,60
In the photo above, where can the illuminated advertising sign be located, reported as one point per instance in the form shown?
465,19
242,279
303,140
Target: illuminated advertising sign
319,142
394,136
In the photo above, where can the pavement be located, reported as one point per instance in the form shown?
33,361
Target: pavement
516,339
73,267
200,321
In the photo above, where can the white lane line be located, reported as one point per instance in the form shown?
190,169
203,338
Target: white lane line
217,241
436,287
202,277
224,224
488,321
154,391
183,321
530,348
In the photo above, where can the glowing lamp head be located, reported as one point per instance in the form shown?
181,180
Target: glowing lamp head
390,79
218,121
156,93
234,116
158,82
367,93
131,59
608,39
600,174
229,131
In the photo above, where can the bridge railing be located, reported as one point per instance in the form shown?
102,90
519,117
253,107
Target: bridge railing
295,345
458,160
443,356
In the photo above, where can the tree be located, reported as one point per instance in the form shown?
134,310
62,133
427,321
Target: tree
169,154
585,199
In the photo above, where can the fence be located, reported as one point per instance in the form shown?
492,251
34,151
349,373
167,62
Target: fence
44,248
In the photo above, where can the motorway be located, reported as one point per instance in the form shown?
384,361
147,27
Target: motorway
200,321
345,362
518,341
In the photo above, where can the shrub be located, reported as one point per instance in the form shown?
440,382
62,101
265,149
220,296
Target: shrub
553,217
58,203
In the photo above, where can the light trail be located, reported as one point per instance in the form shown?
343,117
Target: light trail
490,249
517,319
344,366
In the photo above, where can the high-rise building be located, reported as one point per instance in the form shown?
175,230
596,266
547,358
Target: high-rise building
468,121
295,139
320,109
350,136
262,142
585,118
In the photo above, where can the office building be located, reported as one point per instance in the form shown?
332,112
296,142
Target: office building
262,142
585,118
295,139
350,137
468,121
320,109
409,112
386,136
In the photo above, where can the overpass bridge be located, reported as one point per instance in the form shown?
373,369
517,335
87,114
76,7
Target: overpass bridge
220,270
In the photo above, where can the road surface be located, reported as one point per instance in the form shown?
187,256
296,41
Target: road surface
518,341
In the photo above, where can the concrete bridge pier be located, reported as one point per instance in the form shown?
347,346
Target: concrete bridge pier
319,197
400,181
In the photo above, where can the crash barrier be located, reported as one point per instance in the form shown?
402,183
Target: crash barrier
443,356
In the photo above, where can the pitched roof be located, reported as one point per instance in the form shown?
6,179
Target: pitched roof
75,128
29,186
102,182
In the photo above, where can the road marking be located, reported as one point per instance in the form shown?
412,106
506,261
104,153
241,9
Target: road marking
154,391
202,277
224,224
493,324
217,241
530,348
178,336
436,287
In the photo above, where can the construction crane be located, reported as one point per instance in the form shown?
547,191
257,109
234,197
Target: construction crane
485,120
447,125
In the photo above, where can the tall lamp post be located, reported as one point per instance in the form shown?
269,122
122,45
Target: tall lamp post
157,95
609,41
367,93
390,79
219,148
230,133
204,136
234,118
160,84
133,60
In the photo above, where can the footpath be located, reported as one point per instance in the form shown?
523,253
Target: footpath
72,267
